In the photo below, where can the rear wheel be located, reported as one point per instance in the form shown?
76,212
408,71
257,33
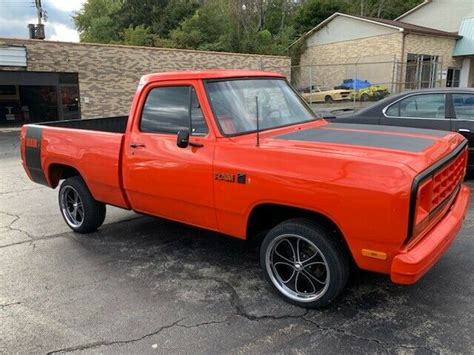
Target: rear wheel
328,99
304,263
365,97
80,211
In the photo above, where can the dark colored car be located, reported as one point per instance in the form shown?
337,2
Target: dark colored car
448,109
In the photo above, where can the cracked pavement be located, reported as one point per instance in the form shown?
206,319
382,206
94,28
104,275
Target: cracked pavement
146,285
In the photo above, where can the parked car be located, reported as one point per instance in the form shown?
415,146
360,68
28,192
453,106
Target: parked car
372,93
322,94
353,84
239,153
363,90
307,89
449,109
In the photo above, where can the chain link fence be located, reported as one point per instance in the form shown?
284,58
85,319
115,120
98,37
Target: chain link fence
348,86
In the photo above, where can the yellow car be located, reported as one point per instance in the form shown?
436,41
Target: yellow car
321,94
372,93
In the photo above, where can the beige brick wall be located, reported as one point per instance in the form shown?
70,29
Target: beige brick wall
109,74
327,65
329,62
440,46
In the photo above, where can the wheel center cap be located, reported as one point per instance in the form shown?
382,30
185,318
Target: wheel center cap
298,266
74,205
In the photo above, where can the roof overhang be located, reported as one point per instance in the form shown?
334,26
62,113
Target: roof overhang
465,45
336,14
426,2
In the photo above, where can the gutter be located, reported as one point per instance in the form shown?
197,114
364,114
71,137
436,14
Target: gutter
402,59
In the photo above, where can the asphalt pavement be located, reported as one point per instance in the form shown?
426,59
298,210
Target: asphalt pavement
146,285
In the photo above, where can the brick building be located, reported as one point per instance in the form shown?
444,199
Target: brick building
42,80
417,50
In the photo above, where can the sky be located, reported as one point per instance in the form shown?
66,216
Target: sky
15,15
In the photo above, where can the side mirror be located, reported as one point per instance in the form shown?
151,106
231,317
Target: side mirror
183,139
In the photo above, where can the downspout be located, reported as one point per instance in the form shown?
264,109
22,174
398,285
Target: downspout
402,60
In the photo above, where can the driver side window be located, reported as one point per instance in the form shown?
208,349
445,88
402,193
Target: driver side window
168,109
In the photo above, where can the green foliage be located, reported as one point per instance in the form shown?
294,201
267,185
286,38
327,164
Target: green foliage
204,28
95,21
138,36
248,26
312,12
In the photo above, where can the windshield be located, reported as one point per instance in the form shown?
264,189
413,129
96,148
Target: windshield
234,103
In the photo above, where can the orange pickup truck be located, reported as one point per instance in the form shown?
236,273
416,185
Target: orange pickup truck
240,153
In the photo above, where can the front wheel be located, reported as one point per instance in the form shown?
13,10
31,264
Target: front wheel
304,263
80,211
365,97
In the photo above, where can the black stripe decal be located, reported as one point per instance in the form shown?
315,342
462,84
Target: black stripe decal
33,154
364,139
376,128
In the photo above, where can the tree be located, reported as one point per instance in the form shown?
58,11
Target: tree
95,21
138,36
388,9
205,29
249,26
313,12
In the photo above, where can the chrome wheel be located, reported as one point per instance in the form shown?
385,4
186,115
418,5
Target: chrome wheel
297,268
72,206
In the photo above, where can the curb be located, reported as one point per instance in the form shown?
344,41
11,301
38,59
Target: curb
10,129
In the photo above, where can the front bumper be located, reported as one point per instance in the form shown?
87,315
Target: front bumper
410,266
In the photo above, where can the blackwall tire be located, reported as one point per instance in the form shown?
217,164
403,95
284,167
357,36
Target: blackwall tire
304,263
80,211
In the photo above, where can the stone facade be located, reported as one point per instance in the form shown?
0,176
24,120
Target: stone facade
109,74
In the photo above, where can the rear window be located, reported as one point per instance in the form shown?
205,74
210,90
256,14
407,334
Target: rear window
464,106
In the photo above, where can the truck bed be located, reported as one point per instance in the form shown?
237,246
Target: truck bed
115,124
91,146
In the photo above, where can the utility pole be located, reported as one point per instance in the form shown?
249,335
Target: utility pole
37,31
39,11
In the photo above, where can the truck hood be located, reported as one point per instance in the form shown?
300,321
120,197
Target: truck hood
416,148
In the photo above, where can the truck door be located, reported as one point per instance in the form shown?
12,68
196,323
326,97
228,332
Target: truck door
160,178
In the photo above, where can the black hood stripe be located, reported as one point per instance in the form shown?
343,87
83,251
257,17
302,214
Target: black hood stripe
365,139
389,129
33,154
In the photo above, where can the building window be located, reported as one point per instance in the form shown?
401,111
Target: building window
421,71
452,78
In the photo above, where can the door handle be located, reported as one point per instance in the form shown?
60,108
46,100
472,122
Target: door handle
137,145
196,145
464,130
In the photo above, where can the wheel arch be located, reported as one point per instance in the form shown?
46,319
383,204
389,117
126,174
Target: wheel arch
265,216
59,171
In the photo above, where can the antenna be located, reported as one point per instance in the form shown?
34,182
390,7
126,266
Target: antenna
258,121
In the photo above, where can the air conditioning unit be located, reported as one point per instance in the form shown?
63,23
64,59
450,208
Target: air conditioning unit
36,31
